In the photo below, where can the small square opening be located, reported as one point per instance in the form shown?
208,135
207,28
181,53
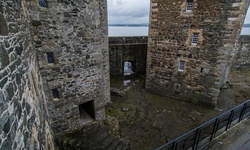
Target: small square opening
50,57
87,113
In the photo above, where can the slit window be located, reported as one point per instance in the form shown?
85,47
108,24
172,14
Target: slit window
189,5
181,65
55,93
202,70
50,57
195,38
42,3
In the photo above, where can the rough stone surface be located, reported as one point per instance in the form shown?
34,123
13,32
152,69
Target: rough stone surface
132,49
76,33
243,54
23,112
208,63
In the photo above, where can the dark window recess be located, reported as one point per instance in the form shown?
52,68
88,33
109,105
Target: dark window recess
55,93
202,70
87,113
50,57
42,3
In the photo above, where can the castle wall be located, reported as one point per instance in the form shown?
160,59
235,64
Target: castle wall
243,54
72,49
190,70
23,111
133,49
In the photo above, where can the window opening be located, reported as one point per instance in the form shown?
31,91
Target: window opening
201,70
55,93
189,5
177,87
87,113
42,3
128,68
50,57
181,65
195,39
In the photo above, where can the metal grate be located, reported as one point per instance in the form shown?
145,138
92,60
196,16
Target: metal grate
42,3
55,93
195,39
50,57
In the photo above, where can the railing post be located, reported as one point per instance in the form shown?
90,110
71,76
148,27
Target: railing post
196,139
242,113
230,120
214,129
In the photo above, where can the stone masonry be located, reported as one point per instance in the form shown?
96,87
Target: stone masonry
243,54
24,120
132,49
191,47
71,41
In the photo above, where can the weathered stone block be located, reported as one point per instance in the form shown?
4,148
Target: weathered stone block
4,58
3,26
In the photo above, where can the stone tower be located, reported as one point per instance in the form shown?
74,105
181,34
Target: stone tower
71,41
54,69
191,46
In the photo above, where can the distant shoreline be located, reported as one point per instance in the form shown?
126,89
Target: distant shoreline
246,26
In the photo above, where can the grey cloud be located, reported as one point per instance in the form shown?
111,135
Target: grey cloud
128,11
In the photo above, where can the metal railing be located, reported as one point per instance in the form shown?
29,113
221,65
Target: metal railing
201,136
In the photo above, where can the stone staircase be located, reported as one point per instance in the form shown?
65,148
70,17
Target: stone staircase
92,137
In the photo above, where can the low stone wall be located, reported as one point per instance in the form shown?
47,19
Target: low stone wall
23,112
133,49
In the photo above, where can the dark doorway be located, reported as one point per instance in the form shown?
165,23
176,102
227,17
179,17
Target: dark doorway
87,113
128,68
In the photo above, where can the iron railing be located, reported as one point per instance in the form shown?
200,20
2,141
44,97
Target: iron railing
201,136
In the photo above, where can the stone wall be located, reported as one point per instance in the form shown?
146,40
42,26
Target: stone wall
243,53
193,71
72,49
133,49
23,109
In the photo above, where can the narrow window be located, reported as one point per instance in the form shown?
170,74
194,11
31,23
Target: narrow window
181,65
42,3
189,5
201,70
177,87
55,93
195,39
50,57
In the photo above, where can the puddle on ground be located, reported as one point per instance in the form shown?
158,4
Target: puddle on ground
126,82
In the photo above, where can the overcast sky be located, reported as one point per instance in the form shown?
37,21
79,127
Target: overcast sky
134,12
128,11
